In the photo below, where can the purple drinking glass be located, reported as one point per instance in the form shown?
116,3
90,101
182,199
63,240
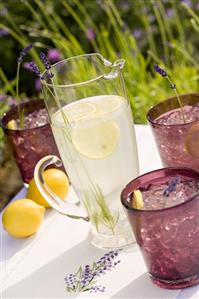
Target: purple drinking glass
34,141
168,237
177,143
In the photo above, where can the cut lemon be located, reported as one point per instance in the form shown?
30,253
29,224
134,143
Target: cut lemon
109,104
12,125
192,141
137,202
95,139
76,111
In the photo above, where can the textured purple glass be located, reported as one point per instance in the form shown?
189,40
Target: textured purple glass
30,144
169,237
171,139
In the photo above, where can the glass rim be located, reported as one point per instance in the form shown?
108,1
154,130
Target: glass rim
124,197
44,83
6,129
153,122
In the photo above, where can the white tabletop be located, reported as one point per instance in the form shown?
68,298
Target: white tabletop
35,267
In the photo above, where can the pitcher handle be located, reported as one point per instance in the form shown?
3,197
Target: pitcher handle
71,210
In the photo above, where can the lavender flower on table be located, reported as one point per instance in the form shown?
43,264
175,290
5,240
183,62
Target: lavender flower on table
85,278
162,72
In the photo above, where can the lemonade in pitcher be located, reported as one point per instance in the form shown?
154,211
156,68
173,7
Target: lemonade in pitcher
96,140
92,124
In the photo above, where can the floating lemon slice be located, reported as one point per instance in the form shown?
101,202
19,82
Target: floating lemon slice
95,139
109,104
76,111
192,141
12,125
137,202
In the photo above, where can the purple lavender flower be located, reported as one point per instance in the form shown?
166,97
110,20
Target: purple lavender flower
172,86
23,53
2,97
35,69
160,70
187,2
97,288
54,55
90,34
47,64
172,186
26,65
37,85
12,102
169,12
137,33
3,32
84,280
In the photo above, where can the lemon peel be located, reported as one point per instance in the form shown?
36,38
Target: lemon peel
137,202
12,125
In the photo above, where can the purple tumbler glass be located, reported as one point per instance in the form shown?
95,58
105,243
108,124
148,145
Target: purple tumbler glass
177,142
166,228
34,141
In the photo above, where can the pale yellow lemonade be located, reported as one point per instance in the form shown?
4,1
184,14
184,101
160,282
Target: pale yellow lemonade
99,152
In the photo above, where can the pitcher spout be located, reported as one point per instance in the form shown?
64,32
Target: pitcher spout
116,68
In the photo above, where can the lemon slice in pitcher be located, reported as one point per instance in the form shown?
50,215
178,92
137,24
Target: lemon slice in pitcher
96,139
109,104
75,111
79,110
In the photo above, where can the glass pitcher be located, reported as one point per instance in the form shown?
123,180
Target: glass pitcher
92,125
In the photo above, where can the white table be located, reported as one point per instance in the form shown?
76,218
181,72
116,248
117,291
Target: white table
35,267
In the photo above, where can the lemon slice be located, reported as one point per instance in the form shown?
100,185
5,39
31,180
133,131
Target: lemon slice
76,111
137,202
192,141
12,125
95,139
109,104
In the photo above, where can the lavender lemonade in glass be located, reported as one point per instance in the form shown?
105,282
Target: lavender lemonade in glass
177,139
163,209
34,141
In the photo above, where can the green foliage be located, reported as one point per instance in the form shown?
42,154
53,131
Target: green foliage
141,32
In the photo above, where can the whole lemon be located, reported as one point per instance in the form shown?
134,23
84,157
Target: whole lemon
57,181
22,218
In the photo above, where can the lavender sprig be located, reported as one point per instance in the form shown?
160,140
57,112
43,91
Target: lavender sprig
162,72
35,69
47,64
85,279
22,54
171,187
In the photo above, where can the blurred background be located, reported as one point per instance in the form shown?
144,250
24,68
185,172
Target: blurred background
142,32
